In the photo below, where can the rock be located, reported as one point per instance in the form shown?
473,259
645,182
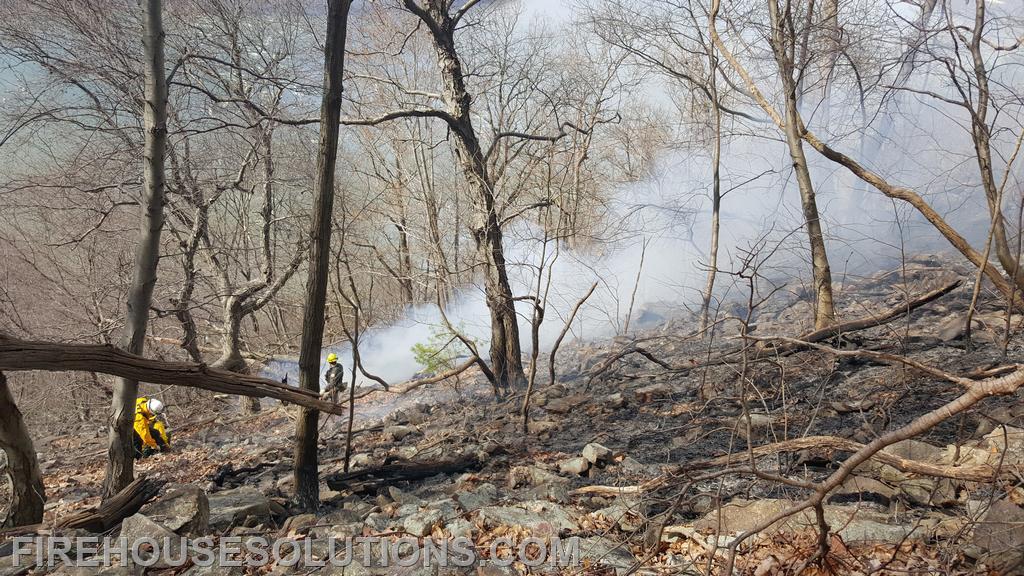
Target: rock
915,450
181,508
852,523
398,433
565,404
596,453
531,476
605,552
137,526
861,488
295,523
422,523
574,466
234,507
998,537
460,528
653,392
615,401
402,497
377,522
628,516
66,570
483,495
929,491
540,427
214,569
540,517
632,466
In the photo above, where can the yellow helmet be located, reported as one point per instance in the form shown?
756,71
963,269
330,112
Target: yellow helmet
332,358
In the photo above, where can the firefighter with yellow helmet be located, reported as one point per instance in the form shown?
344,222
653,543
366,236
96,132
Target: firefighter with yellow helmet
335,377
150,429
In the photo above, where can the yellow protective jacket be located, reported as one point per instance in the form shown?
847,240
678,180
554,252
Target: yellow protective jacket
146,423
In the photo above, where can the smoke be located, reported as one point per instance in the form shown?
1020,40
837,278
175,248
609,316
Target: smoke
664,221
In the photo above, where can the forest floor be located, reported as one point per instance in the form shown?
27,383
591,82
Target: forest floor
619,451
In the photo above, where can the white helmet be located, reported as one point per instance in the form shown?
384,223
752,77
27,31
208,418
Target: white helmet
155,406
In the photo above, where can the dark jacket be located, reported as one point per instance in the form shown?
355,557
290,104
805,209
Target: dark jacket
335,377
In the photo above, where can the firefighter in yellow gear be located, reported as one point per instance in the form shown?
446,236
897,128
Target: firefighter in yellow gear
151,434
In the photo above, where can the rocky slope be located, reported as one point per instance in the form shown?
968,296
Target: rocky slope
621,454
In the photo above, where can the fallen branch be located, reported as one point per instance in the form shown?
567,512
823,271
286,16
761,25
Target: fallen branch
967,473
883,318
115,509
439,377
387,474
21,355
632,349
793,344
976,392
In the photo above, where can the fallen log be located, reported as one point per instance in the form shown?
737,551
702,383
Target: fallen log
387,474
112,511
879,319
22,355
977,473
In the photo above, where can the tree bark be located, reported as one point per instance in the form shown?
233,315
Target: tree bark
307,481
505,350
120,464
783,44
27,498
19,355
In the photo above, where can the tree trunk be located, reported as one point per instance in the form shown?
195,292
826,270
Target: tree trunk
306,475
405,259
120,465
231,350
27,498
782,45
505,352
716,182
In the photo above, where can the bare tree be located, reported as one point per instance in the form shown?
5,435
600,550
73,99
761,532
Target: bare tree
121,453
307,480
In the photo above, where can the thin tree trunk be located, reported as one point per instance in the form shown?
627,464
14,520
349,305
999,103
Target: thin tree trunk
716,185
27,498
306,475
782,45
636,286
120,465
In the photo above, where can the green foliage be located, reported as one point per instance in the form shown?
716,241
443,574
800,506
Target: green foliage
439,353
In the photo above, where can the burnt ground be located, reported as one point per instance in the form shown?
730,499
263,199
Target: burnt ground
653,419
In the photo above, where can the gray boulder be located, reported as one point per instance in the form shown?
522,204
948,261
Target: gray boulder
398,433
596,453
574,466
422,523
483,495
238,506
181,508
540,517
136,527
999,538
607,553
